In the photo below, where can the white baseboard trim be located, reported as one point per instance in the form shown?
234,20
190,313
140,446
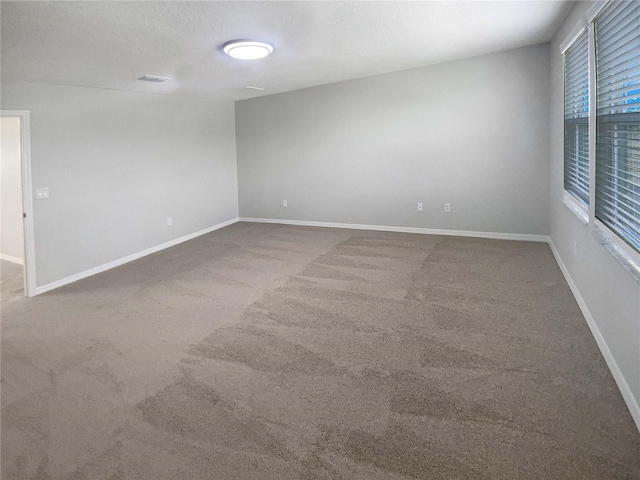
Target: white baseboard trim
129,258
12,259
424,231
627,395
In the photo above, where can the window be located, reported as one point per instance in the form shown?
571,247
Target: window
576,118
617,179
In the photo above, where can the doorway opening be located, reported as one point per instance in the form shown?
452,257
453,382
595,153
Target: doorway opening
17,266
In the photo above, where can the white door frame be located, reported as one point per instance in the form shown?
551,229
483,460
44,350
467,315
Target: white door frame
29,267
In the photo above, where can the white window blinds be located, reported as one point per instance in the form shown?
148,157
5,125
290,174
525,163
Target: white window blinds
576,118
617,187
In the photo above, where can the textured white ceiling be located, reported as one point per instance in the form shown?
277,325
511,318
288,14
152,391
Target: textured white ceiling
110,44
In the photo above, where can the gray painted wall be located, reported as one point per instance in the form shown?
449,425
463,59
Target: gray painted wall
118,164
473,133
611,294
11,233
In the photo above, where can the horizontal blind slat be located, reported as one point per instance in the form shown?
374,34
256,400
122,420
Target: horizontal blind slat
577,177
618,59
620,37
614,187
619,210
576,174
612,15
615,13
623,91
576,52
618,220
614,172
579,194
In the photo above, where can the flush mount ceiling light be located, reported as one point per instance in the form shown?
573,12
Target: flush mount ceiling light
153,78
247,49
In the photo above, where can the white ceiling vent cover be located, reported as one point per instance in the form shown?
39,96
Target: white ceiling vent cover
153,78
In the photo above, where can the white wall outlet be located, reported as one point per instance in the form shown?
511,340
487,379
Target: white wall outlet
447,208
169,222
284,203
42,193
420,207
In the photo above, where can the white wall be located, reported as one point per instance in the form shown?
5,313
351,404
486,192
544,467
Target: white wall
118,164
609,291
11,233
472,133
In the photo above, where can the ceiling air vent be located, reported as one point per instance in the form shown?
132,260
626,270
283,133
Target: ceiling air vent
153,78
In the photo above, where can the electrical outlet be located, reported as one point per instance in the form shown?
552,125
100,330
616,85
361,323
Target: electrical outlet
284,203
169,222
42,193
447,208
420,207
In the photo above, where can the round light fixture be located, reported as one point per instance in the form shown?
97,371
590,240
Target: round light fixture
247,49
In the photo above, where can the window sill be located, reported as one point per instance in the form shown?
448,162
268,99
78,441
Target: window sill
578,209
629,260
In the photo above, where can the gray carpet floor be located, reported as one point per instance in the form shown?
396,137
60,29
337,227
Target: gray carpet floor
280,352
